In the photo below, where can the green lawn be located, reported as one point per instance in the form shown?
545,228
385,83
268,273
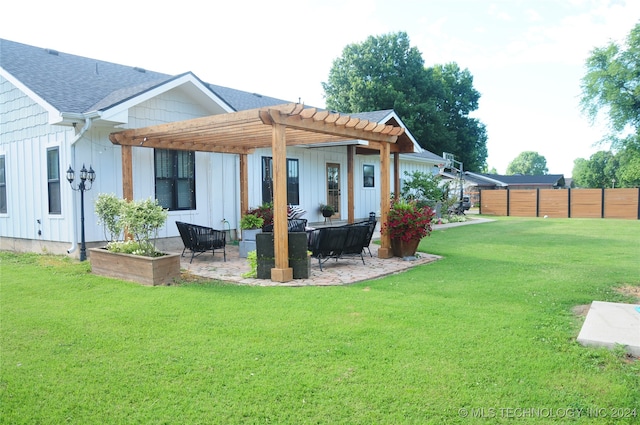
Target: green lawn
486,332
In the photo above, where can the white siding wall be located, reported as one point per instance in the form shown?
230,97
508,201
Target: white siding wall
313,188
24,138
217,189
312,163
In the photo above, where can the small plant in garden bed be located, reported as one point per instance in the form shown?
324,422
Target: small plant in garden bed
252,259
142,219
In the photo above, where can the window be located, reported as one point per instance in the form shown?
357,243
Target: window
175,179
53,180
3,186
293,181
368,176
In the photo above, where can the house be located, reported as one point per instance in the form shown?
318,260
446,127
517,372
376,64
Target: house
475,182
59,110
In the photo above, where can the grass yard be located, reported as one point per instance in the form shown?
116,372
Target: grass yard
486,335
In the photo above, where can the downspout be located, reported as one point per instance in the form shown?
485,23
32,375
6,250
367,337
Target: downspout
74,243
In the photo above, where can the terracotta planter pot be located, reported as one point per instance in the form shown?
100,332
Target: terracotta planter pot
150,271
404,248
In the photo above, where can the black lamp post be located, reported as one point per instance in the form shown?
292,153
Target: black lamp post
85,176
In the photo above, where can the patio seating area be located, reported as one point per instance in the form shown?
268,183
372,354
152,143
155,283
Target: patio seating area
334,273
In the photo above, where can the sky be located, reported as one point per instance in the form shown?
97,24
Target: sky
527,57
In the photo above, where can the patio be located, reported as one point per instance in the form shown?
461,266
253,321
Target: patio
342,272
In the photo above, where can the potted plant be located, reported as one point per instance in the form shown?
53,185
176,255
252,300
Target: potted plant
327,210
407,223
135,256
251,225
264,211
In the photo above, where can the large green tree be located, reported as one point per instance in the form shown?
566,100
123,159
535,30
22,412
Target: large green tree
612,86
528,163
606,169
385,72
597,172
628,172
460,134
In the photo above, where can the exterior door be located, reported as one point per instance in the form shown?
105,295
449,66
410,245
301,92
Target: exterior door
333,187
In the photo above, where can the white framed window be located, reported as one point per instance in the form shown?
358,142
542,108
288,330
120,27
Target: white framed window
368,176
53,180
175,174
3,185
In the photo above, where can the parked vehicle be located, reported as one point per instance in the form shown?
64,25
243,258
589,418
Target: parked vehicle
459,207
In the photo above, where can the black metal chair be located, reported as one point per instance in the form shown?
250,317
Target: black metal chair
200,239
338,242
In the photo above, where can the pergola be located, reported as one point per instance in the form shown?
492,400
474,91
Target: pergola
276,127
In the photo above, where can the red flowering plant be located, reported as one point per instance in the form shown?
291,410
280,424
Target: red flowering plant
408,221
265,212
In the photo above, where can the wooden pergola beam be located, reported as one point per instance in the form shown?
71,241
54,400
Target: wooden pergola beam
362,130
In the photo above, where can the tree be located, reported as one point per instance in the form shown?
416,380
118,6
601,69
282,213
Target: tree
528,163
385,72
579,173
606,169
425,188
381,73
612,84
459,98
628,173
598,172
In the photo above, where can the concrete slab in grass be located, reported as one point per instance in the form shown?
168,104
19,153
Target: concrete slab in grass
610,324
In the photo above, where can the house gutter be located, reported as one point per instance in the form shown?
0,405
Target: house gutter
88,122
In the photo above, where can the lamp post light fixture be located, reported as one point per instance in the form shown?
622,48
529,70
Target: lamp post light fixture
85,176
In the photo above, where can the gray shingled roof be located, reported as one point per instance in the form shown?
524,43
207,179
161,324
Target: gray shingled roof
518,179
425,155
242,100
75,84
374,116
72,83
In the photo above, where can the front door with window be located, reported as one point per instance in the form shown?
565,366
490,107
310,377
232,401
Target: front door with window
333,187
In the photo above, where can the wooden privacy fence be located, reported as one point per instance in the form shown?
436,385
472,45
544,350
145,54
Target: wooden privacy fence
562,203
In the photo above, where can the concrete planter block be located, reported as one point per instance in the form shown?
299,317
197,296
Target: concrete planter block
298,258
248,242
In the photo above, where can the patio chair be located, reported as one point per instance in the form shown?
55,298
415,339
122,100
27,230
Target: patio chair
200,239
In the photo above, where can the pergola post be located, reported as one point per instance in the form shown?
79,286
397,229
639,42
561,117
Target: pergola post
385,199
281,272
127,180
396,176
351,154
127,173
244,184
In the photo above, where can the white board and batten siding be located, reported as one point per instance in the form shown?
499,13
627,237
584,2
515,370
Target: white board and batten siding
217,187
25,137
